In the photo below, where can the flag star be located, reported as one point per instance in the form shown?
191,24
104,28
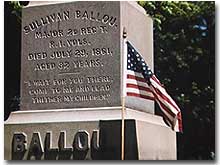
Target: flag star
144,68
129,55
132,50
129,66
137,55
143,64
138,59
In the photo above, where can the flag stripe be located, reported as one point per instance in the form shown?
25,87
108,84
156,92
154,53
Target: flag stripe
163,106
128,85
169,103
136,78
162,90
139,95
168,120
142,92
156,80
179,117
137,74
131,81
141,82
165,96
166,115
166,101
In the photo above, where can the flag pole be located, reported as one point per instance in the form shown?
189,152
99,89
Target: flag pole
123,130
123,96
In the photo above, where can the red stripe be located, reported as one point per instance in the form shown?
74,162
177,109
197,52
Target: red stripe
179,121
138,87
136,78
155,93
167,118
139,95
156,80
163,106
179,116
164,97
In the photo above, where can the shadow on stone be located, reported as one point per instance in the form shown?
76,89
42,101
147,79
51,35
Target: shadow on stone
110,140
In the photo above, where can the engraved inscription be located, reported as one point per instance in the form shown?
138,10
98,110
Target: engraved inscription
72,59
43,21
96,16
74,89
66,15
41,149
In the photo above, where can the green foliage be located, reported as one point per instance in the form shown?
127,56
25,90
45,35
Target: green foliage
16,9
184,52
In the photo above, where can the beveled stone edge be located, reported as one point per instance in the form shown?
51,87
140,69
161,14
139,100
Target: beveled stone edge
137,7
88,114
67,109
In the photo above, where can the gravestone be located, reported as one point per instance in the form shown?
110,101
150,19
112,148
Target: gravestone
68,56
71,85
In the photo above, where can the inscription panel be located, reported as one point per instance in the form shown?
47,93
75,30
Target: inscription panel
70,56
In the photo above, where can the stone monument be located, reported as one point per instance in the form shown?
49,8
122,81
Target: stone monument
71,86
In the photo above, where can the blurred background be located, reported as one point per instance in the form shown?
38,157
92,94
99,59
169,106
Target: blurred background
184,59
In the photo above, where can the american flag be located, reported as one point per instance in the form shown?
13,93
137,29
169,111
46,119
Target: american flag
141,82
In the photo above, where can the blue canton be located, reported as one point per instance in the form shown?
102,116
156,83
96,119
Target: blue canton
136,63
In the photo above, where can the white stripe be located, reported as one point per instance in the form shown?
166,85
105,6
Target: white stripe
155,84
135,82
165,112
169,123
176,127
168,105
156,79
176,124
171,107
135,73
137,91
163,91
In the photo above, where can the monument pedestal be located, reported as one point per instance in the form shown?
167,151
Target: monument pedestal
72,82
83,134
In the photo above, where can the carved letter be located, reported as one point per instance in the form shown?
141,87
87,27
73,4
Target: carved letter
81,145
50,153
19,146
64,153
36,149
26,29
95,148
77,14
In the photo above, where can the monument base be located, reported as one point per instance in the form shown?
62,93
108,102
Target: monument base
79,135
